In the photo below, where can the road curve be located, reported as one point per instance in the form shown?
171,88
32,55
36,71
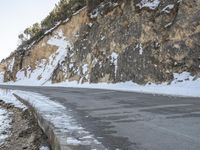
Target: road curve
131,121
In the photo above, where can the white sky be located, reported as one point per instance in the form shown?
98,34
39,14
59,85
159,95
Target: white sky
15,16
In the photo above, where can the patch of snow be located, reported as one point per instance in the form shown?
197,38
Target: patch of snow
185,76
44,148
139,46
53,28
94,14
71,65
90,24
73,141
44,68
168,8
85,68
169,24
8,97
1,77
11,64
102,38
5,121
59,118
151,4
114,57
66,20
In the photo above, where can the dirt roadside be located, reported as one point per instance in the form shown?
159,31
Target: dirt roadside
25,131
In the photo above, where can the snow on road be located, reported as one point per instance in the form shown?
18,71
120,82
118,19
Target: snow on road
5,121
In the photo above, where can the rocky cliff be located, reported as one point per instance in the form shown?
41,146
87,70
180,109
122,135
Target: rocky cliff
127,40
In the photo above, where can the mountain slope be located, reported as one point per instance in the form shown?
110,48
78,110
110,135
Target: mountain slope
141,41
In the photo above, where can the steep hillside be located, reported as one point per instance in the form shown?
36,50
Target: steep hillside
129,40
2,71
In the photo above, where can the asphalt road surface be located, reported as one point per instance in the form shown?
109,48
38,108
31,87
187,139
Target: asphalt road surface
131,121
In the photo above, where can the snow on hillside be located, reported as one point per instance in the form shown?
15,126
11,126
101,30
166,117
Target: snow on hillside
151,4
44,68
183,85
1,77
11,64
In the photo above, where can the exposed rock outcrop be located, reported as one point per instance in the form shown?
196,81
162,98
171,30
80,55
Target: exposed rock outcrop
139,40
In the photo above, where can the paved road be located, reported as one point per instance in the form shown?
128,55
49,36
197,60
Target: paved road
131,121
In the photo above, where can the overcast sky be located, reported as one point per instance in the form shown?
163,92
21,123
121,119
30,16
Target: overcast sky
15,16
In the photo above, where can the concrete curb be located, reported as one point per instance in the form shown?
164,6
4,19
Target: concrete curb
55,139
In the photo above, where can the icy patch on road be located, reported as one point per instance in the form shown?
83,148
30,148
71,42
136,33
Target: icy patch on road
60,119
4,125
8,97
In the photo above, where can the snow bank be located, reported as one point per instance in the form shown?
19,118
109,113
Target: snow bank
61,119
183,85
4,125
8,97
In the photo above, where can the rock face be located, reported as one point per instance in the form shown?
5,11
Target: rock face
138,40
